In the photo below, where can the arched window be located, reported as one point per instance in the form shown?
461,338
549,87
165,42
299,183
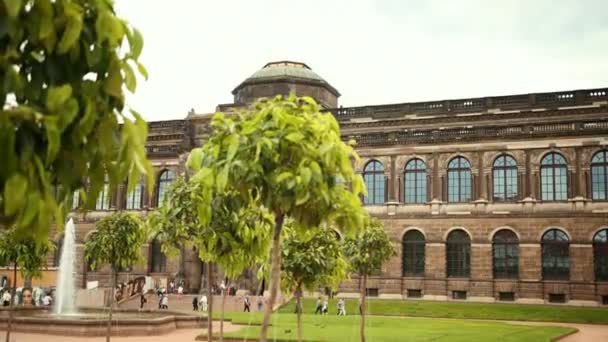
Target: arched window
158,260
554,177
506,254
504,172
103,198
57,252
373,176
165,179
413,253
414,181
135,197
459,180
75,199
600,255
458,254
556,255
599,175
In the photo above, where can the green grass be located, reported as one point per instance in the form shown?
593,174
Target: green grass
390,329
512,312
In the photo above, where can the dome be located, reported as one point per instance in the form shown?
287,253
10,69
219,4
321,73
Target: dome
283,78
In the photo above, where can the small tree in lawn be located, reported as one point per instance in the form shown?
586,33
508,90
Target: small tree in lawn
309,261
236,236
366,252
29,255
65,68
288,155
117,242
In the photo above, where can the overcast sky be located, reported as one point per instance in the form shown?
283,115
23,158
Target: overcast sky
373,52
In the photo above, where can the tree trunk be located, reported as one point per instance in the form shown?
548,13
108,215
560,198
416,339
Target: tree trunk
299,310
222,313
275,275
10,308
363,293
112,298
209,302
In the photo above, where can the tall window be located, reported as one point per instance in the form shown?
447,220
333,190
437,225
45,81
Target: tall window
413,253
158,260
373,176
75,199
459,254
103,199
135,197
415,181
554,177
459,180
556,255
504,173
600,255
506,254
165,179
599,175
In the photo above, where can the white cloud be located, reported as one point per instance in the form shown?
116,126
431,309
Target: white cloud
373,52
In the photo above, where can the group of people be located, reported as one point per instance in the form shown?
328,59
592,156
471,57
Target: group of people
200,304
26,297
322,308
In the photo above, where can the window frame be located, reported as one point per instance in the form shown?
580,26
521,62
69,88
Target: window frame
600,252
377,178
604,166
410,267
163,183
158,259
503,169
553,166
415,172
459,171
460,249
106,199
507,239
552,272
131,197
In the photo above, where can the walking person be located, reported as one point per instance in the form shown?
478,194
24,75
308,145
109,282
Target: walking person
195,304
203,302
324,309
165,302
319,307
341,307
180,292
6,298
247,304
260,303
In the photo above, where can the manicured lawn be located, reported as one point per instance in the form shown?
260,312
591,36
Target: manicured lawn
388,329
512,312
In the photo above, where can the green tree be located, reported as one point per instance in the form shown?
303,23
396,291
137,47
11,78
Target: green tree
290,156
310,261
366,252
235,237
64,67
117,242
29,255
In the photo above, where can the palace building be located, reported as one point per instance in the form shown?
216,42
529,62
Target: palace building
500,198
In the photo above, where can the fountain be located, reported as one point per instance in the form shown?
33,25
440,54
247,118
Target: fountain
66,294
67,320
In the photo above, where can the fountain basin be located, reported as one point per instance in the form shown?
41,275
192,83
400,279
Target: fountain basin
93,322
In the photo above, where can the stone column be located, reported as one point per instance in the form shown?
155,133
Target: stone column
482,186
481,271
392,181
436,196
529,177
581,189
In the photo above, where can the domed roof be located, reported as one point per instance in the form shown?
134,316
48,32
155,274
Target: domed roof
286,70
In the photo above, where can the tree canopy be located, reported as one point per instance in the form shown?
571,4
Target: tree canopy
117,241
64,69
369,249
29,254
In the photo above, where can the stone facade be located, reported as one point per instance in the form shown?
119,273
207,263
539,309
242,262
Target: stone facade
524,127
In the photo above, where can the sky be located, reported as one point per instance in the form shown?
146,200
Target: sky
373,52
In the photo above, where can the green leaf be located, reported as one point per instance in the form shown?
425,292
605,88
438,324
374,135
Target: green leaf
142,70
57,96
233,144
12,7
136,41
294,137
53,138
72,30
113,82
130,79
15,193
